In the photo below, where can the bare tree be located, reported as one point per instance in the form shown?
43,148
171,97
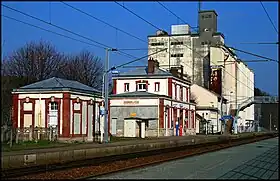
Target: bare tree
84,67
30,63
36,61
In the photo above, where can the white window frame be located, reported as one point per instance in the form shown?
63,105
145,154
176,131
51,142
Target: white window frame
142,89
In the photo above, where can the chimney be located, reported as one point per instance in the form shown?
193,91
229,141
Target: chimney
156,64
151,66
174,71
182,72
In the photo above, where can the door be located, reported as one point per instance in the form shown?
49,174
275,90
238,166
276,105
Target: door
53,114
114,126
90,121
129,128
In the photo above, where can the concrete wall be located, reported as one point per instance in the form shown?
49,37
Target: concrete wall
121,112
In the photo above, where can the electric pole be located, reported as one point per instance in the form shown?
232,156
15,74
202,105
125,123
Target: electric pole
270,122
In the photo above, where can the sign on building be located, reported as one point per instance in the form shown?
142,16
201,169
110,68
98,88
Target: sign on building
216,80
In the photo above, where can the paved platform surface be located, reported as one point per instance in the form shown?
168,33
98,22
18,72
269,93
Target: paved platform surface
251,161
111,144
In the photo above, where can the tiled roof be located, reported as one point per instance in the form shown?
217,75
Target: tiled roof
55,83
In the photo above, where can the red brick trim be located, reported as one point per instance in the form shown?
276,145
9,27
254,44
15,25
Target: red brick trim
175,91
114,86
66,115
15,111
187,94
168,117
170,87
161,112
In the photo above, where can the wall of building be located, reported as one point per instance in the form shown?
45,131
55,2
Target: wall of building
163,82
122,112
37,110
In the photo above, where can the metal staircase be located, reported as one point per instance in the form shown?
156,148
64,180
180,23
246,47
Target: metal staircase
253,100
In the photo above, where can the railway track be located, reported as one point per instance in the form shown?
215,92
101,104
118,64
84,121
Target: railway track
111,164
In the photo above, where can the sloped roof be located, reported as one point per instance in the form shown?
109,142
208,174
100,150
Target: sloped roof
55,83
143,71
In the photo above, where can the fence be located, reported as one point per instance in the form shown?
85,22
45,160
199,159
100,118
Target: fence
28,134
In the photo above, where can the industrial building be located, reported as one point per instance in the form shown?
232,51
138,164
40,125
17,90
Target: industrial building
149,101
207,61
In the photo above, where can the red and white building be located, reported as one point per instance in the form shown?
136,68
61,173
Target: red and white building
70,106
152,97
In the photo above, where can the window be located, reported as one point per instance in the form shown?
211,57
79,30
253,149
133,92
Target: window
177,55
157,44
177,43
126,87
142,87
156,86
54,106
181,93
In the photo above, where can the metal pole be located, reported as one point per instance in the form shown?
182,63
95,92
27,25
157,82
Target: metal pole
106,96
270,122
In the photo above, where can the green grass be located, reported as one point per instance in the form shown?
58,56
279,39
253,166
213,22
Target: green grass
27,145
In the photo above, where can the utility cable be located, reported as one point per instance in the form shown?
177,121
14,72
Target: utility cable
175,39
269,18
260,56
102,21
173,13
65,36
101,44
122,65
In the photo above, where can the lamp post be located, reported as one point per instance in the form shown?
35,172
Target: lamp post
105,92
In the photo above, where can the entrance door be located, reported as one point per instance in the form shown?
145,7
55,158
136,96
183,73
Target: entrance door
114,126
53,114
129,128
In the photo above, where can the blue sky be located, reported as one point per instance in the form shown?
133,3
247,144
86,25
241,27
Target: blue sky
238,21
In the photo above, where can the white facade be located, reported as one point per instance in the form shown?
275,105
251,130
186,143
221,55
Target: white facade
237,81
179,51
209,106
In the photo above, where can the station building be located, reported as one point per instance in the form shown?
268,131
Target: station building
70,106
151,99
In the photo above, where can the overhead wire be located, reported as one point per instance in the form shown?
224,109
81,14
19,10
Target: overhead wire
173,14
102,21
172,37
64,29
269,18
59,34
